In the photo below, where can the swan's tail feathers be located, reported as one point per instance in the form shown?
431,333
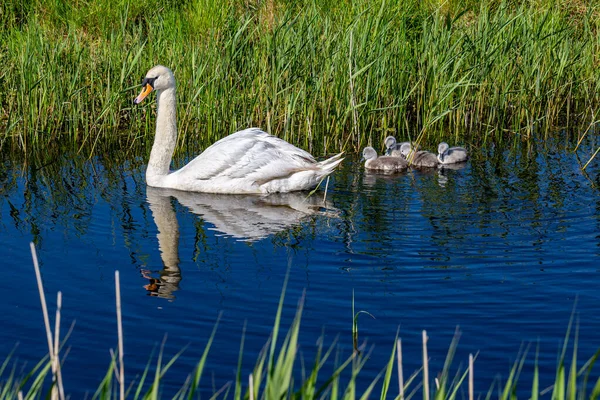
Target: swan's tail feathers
329,165
331,160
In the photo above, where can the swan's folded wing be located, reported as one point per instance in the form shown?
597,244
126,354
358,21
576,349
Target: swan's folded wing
250,154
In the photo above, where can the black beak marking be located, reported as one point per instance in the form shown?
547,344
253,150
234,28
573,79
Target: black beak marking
149,81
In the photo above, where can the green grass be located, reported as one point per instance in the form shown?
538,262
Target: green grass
275,375
325,75
275,372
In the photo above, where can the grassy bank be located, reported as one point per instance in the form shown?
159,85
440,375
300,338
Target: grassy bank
326,75
275,372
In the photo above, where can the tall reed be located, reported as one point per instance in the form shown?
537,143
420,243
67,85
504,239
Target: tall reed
324,75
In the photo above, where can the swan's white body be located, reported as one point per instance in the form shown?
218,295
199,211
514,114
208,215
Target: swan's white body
248,161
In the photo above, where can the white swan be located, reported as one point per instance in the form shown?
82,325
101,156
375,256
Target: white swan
384,163
451,155
248,161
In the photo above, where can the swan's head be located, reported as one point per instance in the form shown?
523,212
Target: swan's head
369,153
390,144
405,149
158,78
442,148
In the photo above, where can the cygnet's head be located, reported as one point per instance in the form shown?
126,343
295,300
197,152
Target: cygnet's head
369,153
405,149
443,147
158,78
390,144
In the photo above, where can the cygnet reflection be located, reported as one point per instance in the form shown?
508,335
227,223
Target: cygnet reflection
443,172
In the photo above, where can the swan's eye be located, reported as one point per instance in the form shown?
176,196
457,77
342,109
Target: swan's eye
149,81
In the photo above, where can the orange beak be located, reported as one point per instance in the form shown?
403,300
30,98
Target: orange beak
145,92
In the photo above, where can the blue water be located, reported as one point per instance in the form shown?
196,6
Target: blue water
504,247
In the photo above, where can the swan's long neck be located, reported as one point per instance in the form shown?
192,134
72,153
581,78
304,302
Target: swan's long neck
165,138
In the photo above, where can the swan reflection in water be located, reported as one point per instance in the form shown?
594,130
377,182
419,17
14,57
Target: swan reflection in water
242,217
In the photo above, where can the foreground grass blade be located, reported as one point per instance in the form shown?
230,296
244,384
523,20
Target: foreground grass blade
200,366
388,371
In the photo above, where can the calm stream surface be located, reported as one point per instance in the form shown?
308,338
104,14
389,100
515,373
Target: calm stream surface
504,247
